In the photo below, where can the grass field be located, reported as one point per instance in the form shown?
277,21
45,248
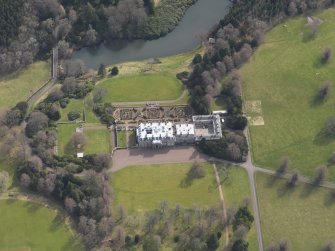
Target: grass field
132,138
235,190
305,215
27,226
19,86
65,132
282,78
143,87
142,188
75,105
121,139
98,141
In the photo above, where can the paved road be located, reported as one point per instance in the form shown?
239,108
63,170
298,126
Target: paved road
47,86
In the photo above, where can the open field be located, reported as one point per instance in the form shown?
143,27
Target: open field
235,189
121,139
283,77
65,132
304,215
28,226
143,87
132,138
142,188
98,141
19,86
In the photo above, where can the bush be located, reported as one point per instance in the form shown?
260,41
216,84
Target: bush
64,102
197,59
73,115
114,71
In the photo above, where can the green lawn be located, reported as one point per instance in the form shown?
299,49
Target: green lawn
305,215
90,116
284,74
132,138
142,188
19,86
75,105
235,189
122,139
27,226
65,132
98,141
142,87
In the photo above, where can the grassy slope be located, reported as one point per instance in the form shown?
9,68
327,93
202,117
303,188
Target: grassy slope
305,216
143,87
19,86
98,141
236,189
141,188
285,74
30,226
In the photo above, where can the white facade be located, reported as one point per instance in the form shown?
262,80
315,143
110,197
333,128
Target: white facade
160,134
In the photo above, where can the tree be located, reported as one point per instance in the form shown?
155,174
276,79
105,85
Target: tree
330,127
4,179
326,55
152,243
329,246
212,242
102,70
197,59
240,245
241,232
313,24
74,68
99,94
102,161
196,171
243,217
25,180
78,140
37,121
73,115
293,180
283,166
320,174
324,90
114,71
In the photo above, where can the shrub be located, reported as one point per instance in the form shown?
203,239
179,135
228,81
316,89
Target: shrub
114,71
73,115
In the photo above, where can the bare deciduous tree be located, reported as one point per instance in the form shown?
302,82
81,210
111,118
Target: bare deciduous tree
320,174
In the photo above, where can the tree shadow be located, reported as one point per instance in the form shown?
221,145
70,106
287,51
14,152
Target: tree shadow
32,207
317,100
56,223
323,138
307,190
330,199
272,180
284,190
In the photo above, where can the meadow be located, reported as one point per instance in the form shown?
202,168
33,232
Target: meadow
21,85
143,188
27,226
304,215
143,87
280,87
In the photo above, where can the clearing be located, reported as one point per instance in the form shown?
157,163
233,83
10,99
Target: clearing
20,86
280,85
304,215
28,226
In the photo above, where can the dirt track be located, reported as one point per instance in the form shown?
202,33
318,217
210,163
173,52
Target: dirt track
130,157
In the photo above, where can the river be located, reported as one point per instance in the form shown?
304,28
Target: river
197,20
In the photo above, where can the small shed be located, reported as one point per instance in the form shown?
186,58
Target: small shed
80,155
